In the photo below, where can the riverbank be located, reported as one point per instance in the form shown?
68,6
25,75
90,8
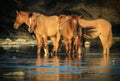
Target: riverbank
21,42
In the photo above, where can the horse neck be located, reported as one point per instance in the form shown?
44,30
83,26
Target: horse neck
73,25
34,20
70,27
27,21
30,20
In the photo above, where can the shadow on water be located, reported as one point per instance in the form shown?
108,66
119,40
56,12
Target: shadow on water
92,66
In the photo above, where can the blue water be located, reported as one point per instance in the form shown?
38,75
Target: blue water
92,66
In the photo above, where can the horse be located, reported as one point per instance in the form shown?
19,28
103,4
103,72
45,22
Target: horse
71,33
98,28
43,27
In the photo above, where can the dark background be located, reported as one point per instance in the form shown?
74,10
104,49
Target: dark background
90,9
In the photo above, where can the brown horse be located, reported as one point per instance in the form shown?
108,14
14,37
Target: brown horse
101,28
42,26
69,30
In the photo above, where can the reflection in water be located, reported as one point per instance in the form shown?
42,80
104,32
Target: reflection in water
105,63
71,68
98,68
89,67
55,69
48,69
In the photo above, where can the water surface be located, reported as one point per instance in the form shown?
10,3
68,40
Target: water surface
91,66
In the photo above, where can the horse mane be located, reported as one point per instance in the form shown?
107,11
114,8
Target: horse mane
30,14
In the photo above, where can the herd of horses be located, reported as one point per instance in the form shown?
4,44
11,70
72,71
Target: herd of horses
69,28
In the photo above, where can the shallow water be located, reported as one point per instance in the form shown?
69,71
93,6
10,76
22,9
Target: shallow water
91,66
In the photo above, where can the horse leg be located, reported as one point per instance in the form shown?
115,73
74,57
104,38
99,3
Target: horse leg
57,42
80,44
45,44
39,40
69,48
72,49
54,45
104,44
79,47
66,46
110,39
72,46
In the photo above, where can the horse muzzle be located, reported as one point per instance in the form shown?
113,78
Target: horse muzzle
15,26
30,30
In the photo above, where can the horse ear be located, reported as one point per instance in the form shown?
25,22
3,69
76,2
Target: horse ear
60,16
17,12
31,14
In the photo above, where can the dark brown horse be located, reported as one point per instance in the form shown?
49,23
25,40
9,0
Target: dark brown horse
43,27
71,33
101,28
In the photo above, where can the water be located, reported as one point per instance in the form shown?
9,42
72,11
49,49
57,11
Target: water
92,66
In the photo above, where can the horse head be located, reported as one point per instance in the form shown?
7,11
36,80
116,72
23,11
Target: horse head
22,17
72,20
62,19
74,23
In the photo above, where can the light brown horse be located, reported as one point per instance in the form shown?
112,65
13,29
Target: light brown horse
42,26
71,33
101,28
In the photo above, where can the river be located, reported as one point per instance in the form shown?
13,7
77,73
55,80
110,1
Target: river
91,66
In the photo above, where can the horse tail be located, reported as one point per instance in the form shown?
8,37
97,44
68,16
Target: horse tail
110,37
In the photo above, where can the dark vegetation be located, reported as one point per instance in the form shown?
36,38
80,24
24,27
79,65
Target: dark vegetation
90,9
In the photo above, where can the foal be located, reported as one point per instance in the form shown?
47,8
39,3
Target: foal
71,33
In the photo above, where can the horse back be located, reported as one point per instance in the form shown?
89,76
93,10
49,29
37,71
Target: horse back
51,21
103,22
49,24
